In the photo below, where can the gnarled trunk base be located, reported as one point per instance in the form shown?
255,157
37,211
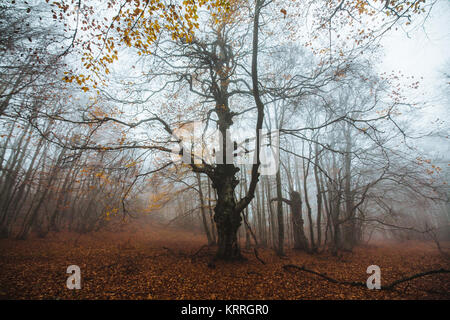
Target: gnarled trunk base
228,245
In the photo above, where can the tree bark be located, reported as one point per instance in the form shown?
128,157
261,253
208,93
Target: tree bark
202,210
300,240
280,247
227,218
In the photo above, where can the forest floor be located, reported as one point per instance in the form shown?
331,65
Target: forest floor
152,262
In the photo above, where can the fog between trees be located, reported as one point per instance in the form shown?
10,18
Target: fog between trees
87,141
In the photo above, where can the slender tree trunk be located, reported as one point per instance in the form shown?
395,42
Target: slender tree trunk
245,213
308,206
319,199
264,241
211,214
280,248
349,231
202,210
272,224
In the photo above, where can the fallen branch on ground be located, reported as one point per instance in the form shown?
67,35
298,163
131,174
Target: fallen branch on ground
415,276
180,254
302,268
363,284
198,251
257,256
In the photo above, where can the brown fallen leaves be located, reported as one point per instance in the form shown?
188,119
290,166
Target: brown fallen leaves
151,262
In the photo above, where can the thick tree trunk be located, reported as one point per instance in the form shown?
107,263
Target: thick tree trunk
227,218
228,224
300,240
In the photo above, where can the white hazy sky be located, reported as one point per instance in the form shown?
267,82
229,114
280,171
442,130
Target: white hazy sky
425,52
427,48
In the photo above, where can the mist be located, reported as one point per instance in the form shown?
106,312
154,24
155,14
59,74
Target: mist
224,150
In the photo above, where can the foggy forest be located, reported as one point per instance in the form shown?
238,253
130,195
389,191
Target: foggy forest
224,149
